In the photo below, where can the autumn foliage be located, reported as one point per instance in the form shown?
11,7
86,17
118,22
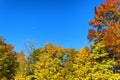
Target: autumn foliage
8,63
107,24
99,61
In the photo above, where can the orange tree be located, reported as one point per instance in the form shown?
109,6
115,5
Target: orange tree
106,25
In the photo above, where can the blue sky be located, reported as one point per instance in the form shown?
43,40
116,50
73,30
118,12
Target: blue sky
62,22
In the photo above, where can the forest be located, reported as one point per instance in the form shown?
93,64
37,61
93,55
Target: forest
99,61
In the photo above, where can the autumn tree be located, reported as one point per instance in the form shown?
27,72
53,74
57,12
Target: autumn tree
49,63
102,65
22,67
8,63
107,27
67,70
91,63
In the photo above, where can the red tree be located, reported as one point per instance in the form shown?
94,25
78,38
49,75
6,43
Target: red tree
106,25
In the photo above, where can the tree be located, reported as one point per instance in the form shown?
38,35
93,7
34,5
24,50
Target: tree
49,63
8,63
29,46
93,64
22,65
107,24
67,70
102,65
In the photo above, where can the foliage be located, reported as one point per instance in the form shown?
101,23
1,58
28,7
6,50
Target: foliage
21,70
8,62
107,24
48,64
101,61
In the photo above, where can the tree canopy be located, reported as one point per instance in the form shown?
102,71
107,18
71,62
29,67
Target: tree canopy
99,61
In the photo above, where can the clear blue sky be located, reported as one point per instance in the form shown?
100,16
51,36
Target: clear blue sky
62,22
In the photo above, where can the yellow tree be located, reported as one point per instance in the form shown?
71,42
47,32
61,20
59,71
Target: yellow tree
94,64
49,63
102,65
82,65
68,60
8,63
22,65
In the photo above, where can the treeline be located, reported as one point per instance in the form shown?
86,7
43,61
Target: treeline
55,63
100,61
